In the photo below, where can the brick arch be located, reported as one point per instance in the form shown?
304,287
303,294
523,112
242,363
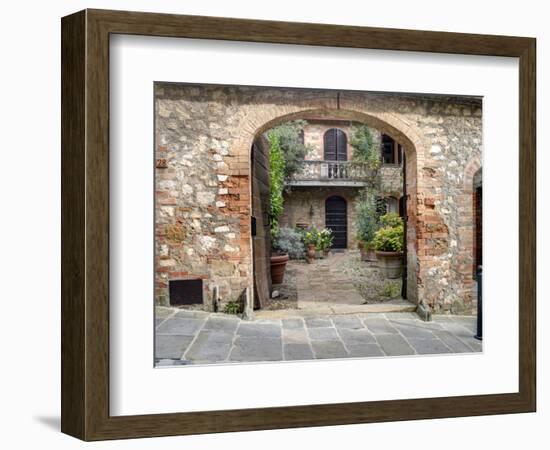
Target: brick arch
261,118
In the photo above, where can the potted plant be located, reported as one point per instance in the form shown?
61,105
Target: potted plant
367,224
279,258
388,242
310,241
325,241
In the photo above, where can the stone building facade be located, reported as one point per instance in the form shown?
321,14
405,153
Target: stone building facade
204,136
306,195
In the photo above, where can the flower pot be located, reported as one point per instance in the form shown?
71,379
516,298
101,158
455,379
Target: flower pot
326,252
390,264
363,252
278,265
371,256
310,253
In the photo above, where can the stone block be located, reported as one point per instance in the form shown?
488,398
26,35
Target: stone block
171,346
258,330
256,349
294,352
394,345
323,334
184,327
328,349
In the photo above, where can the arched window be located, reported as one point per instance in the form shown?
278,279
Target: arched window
392,153
335,145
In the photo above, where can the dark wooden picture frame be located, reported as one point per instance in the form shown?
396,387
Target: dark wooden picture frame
85,224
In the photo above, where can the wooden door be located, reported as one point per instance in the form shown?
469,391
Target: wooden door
261,239
336,213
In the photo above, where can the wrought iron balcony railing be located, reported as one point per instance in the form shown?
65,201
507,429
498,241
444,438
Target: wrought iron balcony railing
333,172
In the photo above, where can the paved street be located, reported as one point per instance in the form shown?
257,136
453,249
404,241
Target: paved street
196,337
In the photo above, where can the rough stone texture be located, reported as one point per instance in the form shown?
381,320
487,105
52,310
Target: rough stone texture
205,133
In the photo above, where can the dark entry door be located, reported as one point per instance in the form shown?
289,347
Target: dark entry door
336,145
336,220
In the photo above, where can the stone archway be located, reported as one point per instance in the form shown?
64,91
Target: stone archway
411,141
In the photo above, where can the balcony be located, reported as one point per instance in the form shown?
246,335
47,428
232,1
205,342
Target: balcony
331,173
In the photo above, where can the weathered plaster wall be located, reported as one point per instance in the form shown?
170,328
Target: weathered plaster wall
203,195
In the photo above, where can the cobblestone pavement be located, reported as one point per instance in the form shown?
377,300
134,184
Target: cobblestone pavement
196,337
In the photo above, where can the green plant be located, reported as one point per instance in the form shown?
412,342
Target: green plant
290,141
277,180
365,149
391,289
311,237
391,220
367,219
389,239
289,240
324,239
232,307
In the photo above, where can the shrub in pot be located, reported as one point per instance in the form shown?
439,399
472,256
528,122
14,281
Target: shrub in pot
367,224
289,241
388,242
325,241
279,258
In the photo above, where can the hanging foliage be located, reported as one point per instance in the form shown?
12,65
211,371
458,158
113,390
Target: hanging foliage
365,148
290,138
277,180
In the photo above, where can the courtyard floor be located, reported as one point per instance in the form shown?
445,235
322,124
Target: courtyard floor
342,283
196,337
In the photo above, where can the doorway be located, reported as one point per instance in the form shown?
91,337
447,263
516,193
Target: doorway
336,220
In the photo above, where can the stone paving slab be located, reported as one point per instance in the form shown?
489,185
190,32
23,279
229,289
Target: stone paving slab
256,349
429,346
179,325
352,322
210,346
364,350
356,337
220,324
171,346
329,349
323,334
394,345
197,337
297,352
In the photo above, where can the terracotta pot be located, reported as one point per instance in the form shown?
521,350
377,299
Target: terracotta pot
371,256
278,265
310,253
390,263
326,251
363,251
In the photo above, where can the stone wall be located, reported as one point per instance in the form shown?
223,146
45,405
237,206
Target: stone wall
203,140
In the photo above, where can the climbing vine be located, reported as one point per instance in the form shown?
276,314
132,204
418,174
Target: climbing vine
277,180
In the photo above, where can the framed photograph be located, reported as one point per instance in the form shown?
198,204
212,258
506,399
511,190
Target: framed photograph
274,225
